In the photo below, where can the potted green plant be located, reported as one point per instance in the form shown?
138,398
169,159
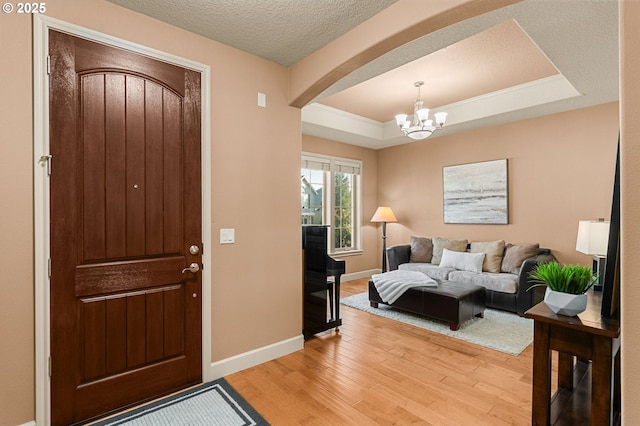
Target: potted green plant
566,286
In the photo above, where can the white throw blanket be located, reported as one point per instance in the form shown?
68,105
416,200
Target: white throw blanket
391,285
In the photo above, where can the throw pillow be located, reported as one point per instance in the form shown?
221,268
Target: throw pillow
494,250
421,250
462,261
440,244
515,255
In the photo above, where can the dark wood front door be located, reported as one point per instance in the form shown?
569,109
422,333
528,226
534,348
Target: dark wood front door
125,210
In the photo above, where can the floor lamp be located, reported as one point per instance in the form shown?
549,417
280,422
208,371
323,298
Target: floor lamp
384,215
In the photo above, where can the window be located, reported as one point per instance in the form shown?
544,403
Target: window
330,195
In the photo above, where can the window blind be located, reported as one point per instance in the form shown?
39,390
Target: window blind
316,163
324,164
347,167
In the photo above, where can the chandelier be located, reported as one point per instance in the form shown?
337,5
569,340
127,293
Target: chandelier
420,127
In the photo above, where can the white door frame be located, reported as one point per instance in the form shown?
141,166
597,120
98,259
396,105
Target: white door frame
41,26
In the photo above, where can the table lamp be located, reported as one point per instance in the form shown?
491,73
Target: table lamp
593,239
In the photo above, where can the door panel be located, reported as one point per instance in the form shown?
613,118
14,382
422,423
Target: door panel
125,208
133,179
152,320
126,275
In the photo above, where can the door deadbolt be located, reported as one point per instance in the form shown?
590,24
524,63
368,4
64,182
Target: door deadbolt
194,249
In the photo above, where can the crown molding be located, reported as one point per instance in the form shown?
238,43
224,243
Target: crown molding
331,123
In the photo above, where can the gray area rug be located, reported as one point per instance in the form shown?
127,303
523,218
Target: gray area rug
213,403
502,331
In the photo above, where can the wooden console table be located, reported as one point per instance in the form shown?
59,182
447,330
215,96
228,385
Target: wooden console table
589,336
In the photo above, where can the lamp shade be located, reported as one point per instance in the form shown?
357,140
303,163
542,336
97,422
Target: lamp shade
423,113
401,119
384,214
593,237
441,118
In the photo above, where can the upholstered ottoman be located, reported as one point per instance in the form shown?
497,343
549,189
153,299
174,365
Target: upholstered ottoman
449,301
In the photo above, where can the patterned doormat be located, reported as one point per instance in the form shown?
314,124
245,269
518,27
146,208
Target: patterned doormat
213,403
502,331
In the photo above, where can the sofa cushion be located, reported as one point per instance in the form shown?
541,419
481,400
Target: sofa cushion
494,250
421,250
432,271
503,283
462,261
515,255
440,244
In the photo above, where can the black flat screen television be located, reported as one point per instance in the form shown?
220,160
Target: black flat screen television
611,285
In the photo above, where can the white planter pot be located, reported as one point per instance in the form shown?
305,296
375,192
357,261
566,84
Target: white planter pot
565,303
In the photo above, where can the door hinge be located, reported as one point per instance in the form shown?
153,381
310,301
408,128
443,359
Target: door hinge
48,64
49,268
46,159
49,367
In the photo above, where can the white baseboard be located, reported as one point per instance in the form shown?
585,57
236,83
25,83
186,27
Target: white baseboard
358,275
31,423
252,358
258,356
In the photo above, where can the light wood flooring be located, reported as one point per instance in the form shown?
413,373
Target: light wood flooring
376,371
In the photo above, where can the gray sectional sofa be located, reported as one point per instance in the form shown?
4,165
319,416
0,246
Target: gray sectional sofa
503,270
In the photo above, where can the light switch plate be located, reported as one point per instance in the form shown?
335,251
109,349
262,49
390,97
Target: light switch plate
227,236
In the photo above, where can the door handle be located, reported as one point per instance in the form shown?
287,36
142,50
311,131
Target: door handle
194,267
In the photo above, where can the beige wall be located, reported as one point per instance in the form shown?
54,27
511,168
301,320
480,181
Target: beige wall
560,170
630,208
254,190
370,258
17,321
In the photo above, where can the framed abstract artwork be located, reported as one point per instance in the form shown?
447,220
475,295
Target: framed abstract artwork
476,193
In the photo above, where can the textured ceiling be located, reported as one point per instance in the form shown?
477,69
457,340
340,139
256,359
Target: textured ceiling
532,58
283,31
